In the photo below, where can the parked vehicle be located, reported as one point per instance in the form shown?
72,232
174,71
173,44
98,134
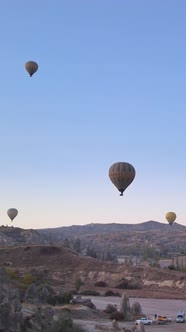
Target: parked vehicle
144,321
180,317
162,320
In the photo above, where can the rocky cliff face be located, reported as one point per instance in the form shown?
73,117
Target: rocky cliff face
16,317
13,236
10,305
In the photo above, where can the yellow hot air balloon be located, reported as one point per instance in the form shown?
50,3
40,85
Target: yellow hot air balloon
12,213
121,174
31,67
171,217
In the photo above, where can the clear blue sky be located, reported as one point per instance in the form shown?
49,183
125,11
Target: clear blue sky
111,86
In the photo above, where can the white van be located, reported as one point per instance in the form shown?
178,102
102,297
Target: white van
180,317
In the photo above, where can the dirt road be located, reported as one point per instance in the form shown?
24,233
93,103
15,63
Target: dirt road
100,326
150,307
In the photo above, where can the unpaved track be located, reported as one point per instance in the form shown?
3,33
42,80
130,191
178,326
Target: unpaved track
150,307
100,326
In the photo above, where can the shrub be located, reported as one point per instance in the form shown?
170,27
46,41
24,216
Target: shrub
79,283
90,292
49,250
110,308
65,324
100,284
12,273
68,297
27,248
62,298
51,299
77,328
124,284
111,293
128,284
116,315
28,279
171,267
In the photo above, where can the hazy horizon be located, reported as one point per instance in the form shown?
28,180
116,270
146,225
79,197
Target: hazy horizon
110,87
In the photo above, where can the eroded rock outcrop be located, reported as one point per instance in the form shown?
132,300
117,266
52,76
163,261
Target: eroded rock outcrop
124,307
37,294
140,327
10,305
136,309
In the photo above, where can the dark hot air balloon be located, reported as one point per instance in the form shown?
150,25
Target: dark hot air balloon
31,67
171,217
12,213
121,174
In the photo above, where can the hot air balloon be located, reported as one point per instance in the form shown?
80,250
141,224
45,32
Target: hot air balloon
31,67
121,174
12,213
171,217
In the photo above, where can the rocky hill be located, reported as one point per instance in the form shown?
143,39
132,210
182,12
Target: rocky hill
105,241
12,236
67,231
62,267
122,239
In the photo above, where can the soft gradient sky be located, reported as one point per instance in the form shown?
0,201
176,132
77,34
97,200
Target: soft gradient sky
111,86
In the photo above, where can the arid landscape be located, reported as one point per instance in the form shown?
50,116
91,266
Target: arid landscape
93,164
62,256
33,259
149,306
62,267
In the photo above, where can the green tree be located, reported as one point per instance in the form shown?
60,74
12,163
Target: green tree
28,279
77,245
79,283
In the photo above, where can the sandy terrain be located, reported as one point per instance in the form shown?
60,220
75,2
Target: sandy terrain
167,308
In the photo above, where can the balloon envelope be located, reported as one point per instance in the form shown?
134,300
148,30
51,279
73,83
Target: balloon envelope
31,67
12,213
171,217
122,174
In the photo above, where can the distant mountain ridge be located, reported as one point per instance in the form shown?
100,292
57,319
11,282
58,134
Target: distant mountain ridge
94,228
119,239
116,238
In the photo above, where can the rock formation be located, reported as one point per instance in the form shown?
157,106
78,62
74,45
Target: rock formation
10,305
124,307
140,327
115,325
136,310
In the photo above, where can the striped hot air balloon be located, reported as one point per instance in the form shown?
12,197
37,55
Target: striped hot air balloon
121,174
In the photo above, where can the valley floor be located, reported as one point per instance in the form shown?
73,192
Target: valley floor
150,307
